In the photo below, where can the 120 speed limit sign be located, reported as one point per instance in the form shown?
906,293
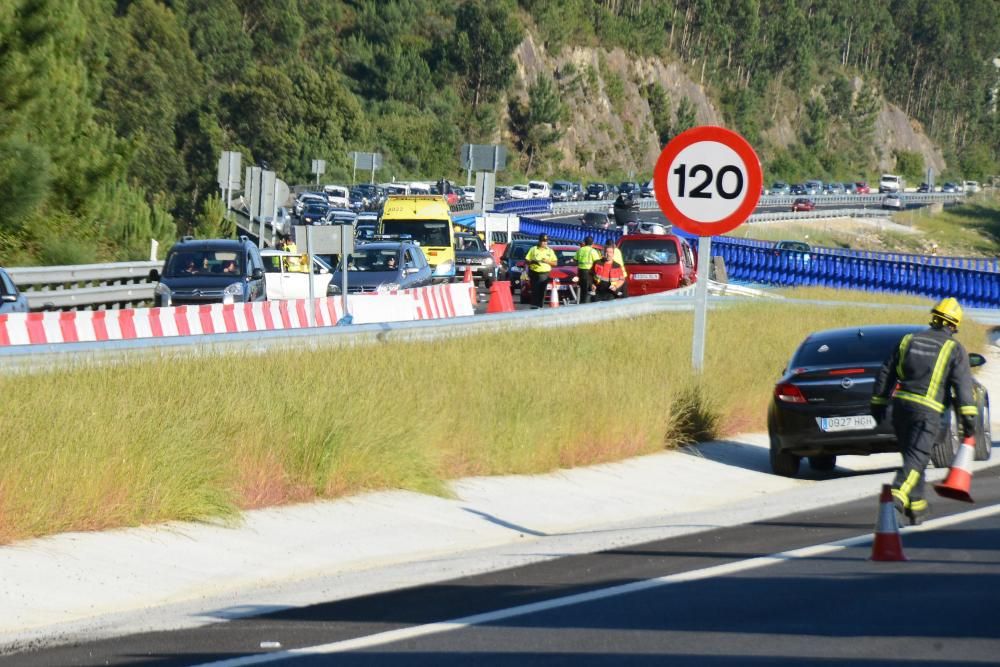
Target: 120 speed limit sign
707,180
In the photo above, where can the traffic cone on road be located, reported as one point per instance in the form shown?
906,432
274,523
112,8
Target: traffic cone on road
467,278
887,545
959,481
501,300
554,293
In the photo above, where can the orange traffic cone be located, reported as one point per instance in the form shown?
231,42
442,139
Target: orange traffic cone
554,293
467,278
501,300
959,479
887,545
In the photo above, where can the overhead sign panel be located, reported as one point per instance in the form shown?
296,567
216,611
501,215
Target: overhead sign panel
484,157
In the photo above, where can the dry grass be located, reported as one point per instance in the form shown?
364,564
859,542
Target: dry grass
204,438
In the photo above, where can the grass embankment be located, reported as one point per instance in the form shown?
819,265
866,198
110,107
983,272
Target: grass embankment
122,445
971,229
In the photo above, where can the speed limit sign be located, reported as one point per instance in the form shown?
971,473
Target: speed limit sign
707,180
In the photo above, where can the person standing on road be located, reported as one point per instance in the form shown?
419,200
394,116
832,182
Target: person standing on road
585,258
927,366
540,260
609,275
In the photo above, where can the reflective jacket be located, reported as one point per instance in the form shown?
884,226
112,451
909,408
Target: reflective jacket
608,272
927,365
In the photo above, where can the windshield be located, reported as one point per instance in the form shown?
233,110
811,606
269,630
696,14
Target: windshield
430,233
203,263
649,252
519,251
871,348
469,243
595,218
374,259
566,257
315,209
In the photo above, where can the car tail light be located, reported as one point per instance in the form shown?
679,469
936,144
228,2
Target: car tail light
847,371
789,393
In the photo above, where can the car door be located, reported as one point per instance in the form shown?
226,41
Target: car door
274,278
255,286
12,299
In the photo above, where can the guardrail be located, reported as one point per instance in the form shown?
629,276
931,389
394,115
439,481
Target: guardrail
116,284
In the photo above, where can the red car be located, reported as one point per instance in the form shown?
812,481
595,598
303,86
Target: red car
656,263
862,188
803,204
565,270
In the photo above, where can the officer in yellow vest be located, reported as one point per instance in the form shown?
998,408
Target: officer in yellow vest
585,258
540,260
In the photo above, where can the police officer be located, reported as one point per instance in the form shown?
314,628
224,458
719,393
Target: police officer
585,258
927,366
540,260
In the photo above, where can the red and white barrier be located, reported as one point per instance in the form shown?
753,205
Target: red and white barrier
424,303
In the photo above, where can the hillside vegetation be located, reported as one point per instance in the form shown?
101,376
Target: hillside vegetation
113,114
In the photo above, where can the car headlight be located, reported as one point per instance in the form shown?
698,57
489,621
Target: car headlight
488,261
234,290
576,279
163,295
332,289
444,268
387,287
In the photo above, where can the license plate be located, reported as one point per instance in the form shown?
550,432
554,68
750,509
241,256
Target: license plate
851,423
646,276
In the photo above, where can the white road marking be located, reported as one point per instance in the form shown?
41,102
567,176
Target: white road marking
417,631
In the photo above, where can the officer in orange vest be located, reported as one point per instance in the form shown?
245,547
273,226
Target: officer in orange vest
609,275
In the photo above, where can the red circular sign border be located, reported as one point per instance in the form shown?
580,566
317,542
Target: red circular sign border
755,179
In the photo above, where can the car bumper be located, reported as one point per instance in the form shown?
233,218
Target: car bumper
795,430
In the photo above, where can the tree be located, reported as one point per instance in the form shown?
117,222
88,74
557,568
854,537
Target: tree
537,124
685,118
910,165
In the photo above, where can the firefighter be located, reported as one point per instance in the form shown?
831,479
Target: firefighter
609,275
927,366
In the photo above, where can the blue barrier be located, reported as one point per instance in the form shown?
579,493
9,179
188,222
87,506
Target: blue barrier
521,206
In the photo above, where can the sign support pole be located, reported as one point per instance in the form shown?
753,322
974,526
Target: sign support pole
343,275
701,303
309,269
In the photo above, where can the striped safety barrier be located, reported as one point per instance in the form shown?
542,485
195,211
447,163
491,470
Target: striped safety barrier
425,303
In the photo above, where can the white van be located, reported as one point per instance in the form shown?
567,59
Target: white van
890,183
337,195
972,186
539,189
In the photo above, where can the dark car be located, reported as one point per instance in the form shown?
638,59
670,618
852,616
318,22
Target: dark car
11,298
629,187
512,260
313,214
501,193
820,407
597,220
792,246
383,266
797,189
626,209
470,250
950,188
924,187
564,271
210,271
596,191
803,204
561,191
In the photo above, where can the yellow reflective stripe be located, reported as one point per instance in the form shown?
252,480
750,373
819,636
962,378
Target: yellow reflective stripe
918,505
922,400
903,345
969,410
942,361
911,481
880,400
901,496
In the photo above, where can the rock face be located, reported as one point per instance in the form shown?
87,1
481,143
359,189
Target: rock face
610,126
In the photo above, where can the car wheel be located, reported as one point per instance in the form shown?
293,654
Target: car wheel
783,463
944,450
984,434
521,299
823,463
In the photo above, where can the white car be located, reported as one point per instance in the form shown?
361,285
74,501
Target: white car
520,192
337,195
539,189
281,283
469,193
972,186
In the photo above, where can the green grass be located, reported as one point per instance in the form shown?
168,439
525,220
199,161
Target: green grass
204,438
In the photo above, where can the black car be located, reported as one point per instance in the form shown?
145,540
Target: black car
626,209
210,271
313,214
597,220
512,260
820,407
629,187
596,191
797,189
471,251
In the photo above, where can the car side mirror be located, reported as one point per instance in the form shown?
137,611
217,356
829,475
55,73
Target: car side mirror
976,360
8,298
323,271
154,276
257,274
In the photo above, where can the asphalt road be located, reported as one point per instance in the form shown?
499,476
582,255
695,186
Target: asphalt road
718,597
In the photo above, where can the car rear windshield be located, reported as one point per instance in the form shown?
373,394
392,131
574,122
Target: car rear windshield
595,218
649,252
794,246
203,263
871,348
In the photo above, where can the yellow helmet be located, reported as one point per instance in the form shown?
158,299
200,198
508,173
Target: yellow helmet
947,311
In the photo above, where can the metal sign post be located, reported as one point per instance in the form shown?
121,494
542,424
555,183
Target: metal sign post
309,267
318,168
325,240
707,182
229,177
368,161
346,248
